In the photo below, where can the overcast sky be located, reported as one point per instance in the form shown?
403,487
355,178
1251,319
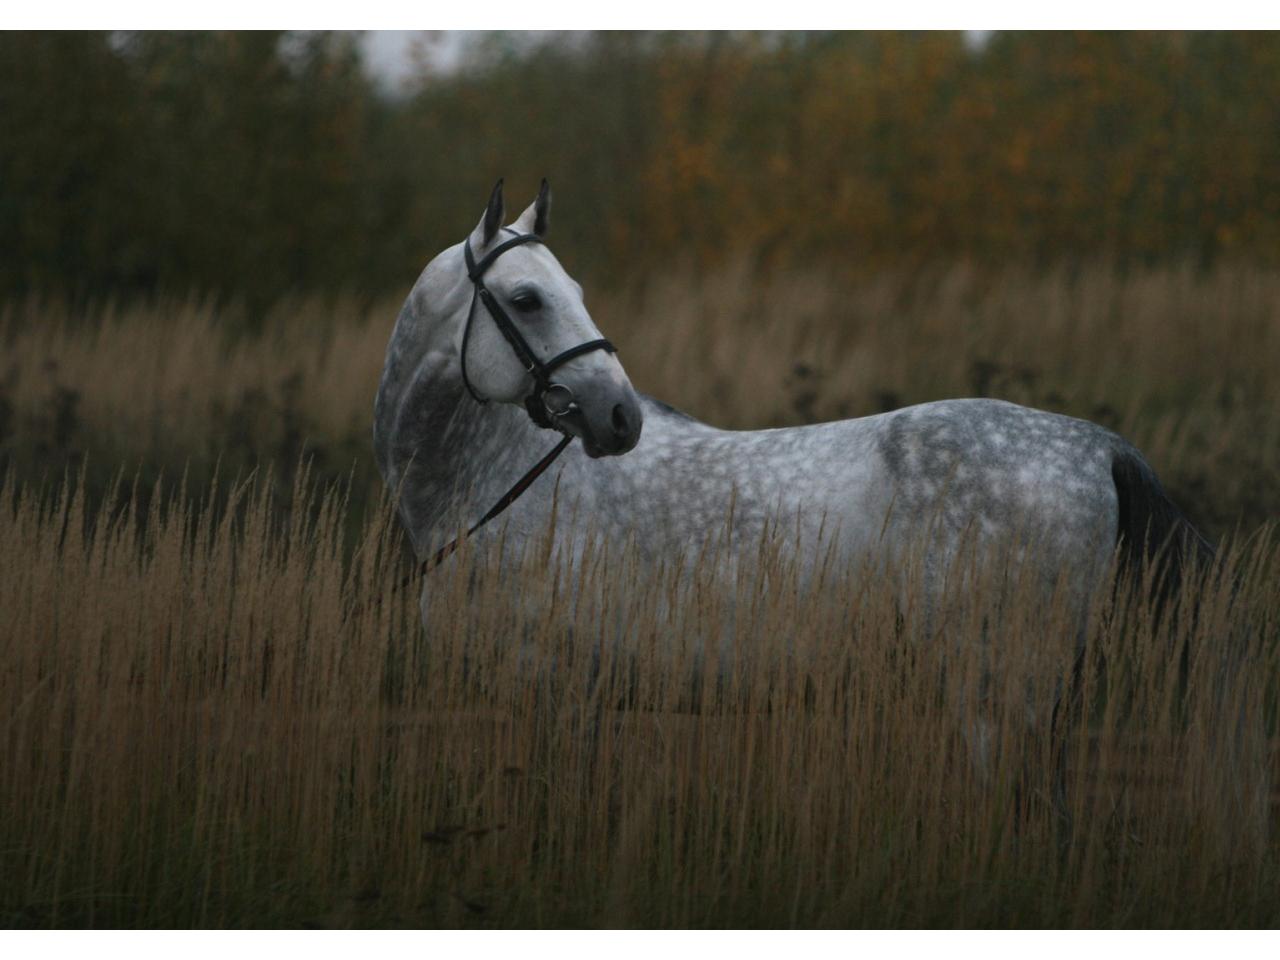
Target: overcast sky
393,56
390,54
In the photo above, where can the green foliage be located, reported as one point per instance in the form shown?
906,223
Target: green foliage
257,165
231,163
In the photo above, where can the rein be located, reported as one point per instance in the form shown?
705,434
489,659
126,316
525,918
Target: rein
508,498
540,411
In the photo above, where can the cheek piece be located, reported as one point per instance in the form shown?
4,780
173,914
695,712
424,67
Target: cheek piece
549,399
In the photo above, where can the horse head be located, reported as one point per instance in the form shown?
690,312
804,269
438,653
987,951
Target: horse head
527,339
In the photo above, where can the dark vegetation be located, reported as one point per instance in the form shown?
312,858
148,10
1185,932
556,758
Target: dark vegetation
252,166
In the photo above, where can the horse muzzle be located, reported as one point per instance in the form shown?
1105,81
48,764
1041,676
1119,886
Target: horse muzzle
607,421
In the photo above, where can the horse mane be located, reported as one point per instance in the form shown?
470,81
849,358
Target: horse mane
667,409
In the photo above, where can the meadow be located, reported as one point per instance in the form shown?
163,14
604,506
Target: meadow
218,714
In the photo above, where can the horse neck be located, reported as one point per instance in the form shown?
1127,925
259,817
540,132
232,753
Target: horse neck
444,455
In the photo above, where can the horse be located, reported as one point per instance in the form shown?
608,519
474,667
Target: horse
494,349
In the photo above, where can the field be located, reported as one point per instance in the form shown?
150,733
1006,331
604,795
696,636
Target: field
215,713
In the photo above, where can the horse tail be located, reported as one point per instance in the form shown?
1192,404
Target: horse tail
1153,532
1153,535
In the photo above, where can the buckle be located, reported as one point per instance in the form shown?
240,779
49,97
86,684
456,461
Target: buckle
559,400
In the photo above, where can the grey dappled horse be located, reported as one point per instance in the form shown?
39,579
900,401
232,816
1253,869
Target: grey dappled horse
486,355
494,345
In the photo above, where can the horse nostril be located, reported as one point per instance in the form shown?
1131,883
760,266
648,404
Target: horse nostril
620,425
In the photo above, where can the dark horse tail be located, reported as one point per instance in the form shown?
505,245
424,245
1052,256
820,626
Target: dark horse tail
1156,540
1154,536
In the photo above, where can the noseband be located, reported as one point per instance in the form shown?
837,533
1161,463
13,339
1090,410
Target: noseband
536,402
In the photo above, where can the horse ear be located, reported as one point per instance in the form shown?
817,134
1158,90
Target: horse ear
542,209
490,223
537,215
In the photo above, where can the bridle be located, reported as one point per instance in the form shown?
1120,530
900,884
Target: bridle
538,403
541,412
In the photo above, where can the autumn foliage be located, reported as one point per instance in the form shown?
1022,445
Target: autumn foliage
259,164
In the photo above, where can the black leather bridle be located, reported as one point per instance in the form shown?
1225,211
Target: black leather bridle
540,411
536,403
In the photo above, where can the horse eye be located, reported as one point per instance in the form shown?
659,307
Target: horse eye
527,303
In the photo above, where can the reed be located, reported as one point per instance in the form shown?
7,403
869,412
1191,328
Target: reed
216,714
1180,361
219,719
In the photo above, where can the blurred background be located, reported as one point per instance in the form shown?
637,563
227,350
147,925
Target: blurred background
253,165
205,237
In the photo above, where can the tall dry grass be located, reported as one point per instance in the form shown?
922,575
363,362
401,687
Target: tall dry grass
1180,361
222,722
215,715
